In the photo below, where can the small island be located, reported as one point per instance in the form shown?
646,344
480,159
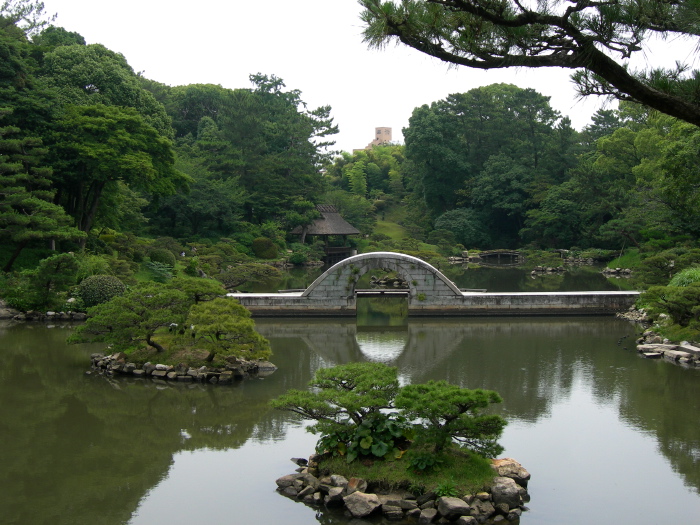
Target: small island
421,451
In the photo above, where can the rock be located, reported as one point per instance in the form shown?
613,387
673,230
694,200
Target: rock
171,375
302,462
355,485
6,312
427,516
335,497
290,491
514,514
339,481
482,510
392,513
360,504
309,480
159,373
502,508
505,491
424,498
403,504
466,520
509,468
452,508
286,481
306,491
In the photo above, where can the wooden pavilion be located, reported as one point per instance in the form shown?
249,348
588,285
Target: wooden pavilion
329,224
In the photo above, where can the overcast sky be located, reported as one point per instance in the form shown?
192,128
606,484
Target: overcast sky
315,46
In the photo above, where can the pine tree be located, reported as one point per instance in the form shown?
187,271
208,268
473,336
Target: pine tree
27,212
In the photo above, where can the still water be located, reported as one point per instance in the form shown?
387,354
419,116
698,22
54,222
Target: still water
471,276
608,437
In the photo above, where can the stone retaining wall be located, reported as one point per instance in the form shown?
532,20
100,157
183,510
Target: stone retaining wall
504,500
117,364
465,304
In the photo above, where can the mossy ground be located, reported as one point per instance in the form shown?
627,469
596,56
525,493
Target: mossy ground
177,350
466,473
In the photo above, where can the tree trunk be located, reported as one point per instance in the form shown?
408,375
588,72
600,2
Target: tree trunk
11,262
155,345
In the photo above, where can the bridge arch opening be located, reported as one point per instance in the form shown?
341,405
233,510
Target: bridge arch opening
424,280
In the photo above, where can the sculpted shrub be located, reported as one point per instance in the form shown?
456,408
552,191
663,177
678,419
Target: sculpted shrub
162,256
264,248
98,289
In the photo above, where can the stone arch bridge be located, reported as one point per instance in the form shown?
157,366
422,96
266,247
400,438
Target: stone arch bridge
430,293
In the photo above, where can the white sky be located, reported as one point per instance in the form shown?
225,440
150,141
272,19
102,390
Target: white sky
315,46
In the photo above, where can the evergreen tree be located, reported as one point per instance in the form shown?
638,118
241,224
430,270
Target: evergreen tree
27,212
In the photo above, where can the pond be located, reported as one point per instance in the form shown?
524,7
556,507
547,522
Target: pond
608,437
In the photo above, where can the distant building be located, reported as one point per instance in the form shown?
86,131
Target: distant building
381,136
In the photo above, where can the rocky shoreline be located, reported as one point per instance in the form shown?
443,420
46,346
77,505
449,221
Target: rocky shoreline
117,364
504,501
15,315
652,346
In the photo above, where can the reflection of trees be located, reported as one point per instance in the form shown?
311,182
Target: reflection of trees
656,397
79,449
531,363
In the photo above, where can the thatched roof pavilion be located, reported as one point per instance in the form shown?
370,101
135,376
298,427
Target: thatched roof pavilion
329,224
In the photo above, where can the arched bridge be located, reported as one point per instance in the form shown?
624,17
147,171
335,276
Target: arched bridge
430,293
423,279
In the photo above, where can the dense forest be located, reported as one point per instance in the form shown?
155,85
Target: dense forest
106,172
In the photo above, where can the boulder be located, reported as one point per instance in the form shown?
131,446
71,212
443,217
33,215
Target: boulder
466,520
335,497
509,468
427,516
506,491
355,485
482,510
339,481
286,481
360,504
453,508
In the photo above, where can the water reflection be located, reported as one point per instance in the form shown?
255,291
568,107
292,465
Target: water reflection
583,410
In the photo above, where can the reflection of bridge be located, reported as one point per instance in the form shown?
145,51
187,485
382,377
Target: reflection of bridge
429,293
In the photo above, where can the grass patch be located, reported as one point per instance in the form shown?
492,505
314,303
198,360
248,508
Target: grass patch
394,231
630,259
470,473
676,332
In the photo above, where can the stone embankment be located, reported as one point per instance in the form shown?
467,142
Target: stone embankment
652,346
547,269
504,501
617,272
117,364
10,313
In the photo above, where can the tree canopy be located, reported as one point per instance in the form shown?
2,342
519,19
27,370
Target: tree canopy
596,39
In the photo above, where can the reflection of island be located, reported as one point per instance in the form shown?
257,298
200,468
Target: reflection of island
79,449
527,362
